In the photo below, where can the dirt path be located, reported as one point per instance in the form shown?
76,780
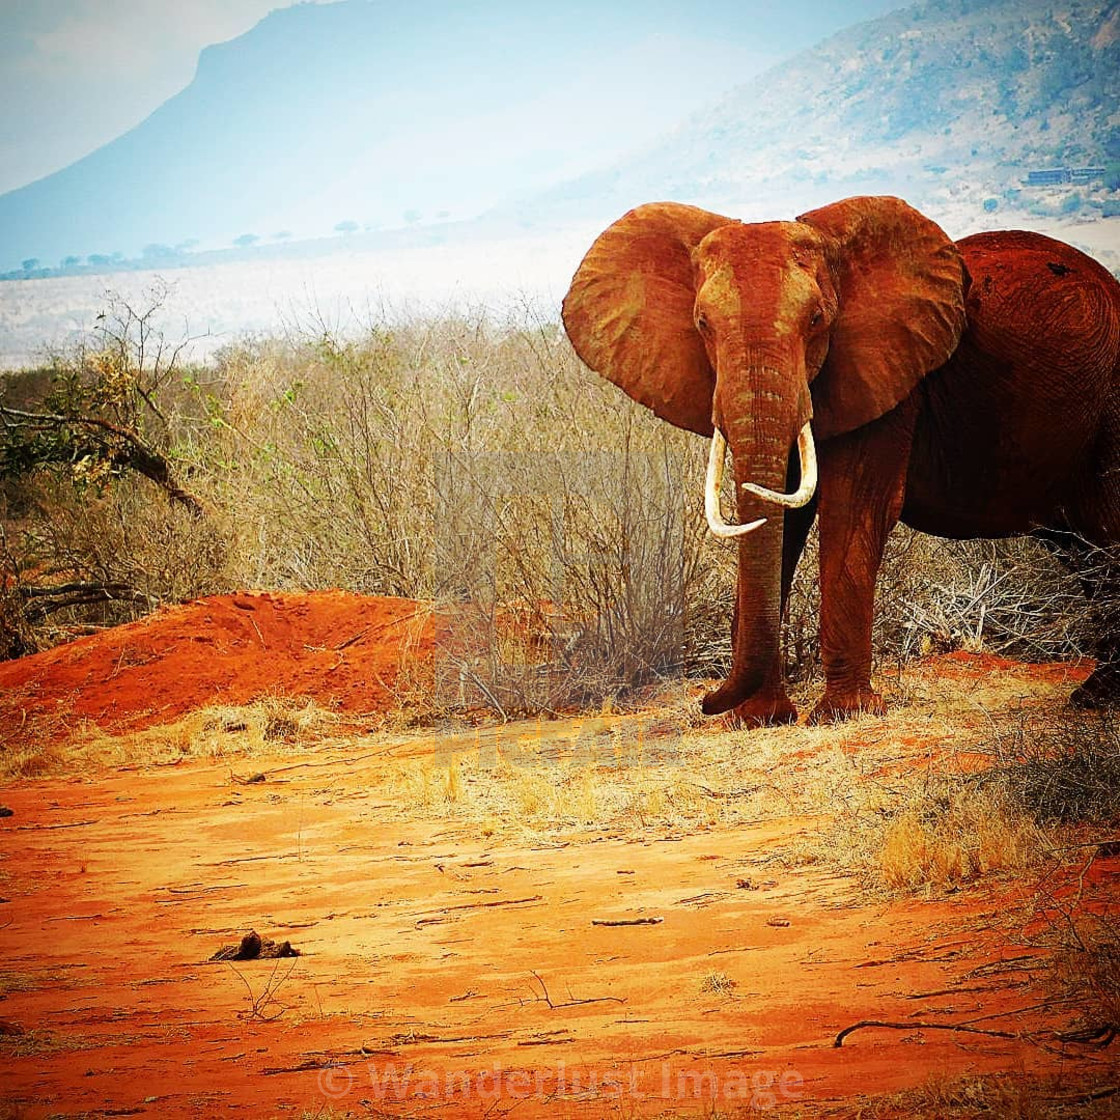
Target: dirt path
449,973
605,916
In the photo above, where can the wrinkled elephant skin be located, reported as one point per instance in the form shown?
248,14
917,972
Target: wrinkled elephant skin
968,389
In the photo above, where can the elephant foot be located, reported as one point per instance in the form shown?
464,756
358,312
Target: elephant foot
835,706
761,711
1100,690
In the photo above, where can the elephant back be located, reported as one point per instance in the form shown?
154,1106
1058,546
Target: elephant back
1012,421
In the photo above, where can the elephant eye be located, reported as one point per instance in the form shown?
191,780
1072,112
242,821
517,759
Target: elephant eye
701,321
816,317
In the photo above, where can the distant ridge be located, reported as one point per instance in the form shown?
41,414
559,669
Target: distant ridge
947,101
338,109
949,98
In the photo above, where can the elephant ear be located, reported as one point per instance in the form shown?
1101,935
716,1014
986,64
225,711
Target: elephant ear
629,311
901,285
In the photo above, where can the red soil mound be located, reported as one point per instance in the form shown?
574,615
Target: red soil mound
343,650
971,664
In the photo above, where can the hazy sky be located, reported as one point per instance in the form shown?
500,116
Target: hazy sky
74,74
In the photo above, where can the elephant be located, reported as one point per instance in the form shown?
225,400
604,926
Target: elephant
864,369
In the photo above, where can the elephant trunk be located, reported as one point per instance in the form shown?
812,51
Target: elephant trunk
760,443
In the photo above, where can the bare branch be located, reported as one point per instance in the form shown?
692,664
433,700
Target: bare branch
137,454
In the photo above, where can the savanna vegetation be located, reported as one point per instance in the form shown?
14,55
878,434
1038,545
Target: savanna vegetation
464,460
473,463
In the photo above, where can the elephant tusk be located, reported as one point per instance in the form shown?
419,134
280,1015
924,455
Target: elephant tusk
712,484
808,455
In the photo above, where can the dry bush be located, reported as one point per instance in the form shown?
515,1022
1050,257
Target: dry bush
718,984
915,834
1085,969
77,559
1074,921
1062,771
481,469
956,834
477,465
1011,597
97,524
1007,596
471,465
1051,776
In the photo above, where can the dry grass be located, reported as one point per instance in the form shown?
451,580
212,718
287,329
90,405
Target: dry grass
534,794
907,802
954,834
54,745
476,465
994,1097
932,797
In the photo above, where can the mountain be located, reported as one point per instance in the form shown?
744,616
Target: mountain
366,114
375,113
946,100
284,119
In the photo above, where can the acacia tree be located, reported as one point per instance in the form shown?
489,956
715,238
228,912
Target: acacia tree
102,415
101,418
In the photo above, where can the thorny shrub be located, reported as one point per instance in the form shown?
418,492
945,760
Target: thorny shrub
472,463
1062,771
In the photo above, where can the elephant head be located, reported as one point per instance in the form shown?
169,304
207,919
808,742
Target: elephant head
764,335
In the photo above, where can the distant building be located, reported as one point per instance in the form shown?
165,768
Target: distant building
1056,176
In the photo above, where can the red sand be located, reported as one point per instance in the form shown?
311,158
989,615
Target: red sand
425,949
341,649
445,971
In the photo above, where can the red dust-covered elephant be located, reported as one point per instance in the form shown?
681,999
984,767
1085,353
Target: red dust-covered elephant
861,359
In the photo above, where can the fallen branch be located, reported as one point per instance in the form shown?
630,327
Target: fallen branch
479,905
572,1001
39,602
921,1027
133,452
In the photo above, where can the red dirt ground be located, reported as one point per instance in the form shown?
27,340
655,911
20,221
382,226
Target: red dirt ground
340,649
447,970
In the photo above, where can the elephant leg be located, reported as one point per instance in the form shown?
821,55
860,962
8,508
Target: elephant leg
771,704
1088,543
863,482
1091,548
